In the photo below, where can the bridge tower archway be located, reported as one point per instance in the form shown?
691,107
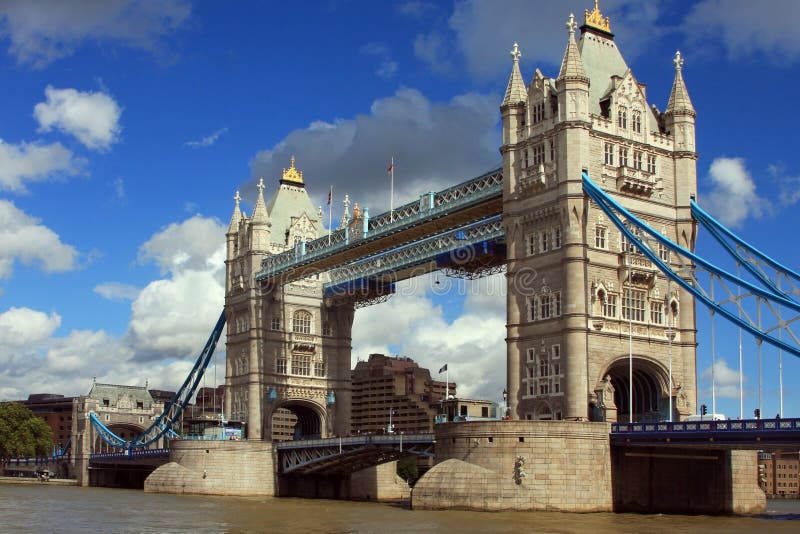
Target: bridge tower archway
650,391
298,419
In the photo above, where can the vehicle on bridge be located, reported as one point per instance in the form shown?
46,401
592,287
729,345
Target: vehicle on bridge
214,429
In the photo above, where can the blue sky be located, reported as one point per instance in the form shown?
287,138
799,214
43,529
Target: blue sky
127,127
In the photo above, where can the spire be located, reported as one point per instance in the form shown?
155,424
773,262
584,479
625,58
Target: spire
572,64
346,213
679,101
260,210
515,92
237,215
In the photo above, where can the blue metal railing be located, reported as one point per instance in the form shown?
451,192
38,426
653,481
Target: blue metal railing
691,427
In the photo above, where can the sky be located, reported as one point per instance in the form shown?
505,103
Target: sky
126,128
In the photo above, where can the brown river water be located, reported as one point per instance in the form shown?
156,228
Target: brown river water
46,508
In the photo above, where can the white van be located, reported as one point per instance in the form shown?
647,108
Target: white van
707,417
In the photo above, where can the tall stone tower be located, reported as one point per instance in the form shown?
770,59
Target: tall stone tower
288,354
586,310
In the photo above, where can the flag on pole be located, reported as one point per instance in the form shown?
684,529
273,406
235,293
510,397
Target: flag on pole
330,196
391,166
443,369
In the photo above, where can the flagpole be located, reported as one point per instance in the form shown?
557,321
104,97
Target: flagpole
330,216
391,191
446,382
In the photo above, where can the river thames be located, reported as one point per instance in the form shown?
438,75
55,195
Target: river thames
57,509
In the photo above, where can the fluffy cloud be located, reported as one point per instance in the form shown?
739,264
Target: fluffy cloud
414,324
35,162
24,239
93,118
116,291
196,243
732,197
747,29
24,326
726,381
44,31
207,140
433,145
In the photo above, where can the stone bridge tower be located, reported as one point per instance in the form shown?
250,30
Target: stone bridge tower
582,303
288,354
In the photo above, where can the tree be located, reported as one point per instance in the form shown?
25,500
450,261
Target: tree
407,469
22,434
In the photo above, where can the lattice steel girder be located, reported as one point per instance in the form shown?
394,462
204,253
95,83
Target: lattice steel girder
404,259
473,200
687,277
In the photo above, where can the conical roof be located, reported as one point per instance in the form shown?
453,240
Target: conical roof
260,214
236,218
572,64
679,100
515,91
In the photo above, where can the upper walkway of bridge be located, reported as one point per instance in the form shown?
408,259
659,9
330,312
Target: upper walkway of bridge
433,214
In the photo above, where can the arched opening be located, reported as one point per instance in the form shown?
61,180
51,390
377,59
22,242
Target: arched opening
296,420
650,395
125,431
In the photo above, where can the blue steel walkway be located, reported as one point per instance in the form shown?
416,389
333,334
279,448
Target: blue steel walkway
739,434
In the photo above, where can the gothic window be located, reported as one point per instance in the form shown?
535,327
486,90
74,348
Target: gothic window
531,354
622,117
636,121
651,163
301,365
545,309
633,305
656,312
280,366
301,322
625,243
637,160
663,252
544,241
599,237
623,156
544,366
609,154
533,244
275,323
297,240
537,113
557,237
609,302
538,154
319,369
532,308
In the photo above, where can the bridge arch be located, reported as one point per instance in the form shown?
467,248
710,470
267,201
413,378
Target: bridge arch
650,390
126,431
298,419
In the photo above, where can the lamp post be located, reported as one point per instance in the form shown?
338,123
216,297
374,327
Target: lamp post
390,430
505,403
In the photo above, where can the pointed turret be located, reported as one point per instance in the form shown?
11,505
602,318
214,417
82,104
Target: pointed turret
236,218
679,101
515,91
572,64
259,222
260,214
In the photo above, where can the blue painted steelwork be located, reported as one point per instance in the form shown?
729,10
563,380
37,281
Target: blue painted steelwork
753,432
429,207
317,455
614,210
469,239
163,425
755,258
129,455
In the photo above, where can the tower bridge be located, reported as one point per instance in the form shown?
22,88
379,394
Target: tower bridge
592,216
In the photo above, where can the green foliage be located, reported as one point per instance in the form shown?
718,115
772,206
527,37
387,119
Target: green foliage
407,469
22,434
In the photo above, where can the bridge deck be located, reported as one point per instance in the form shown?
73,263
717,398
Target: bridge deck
740,434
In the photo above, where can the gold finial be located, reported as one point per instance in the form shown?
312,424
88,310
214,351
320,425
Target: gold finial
595,19
356,211
292,175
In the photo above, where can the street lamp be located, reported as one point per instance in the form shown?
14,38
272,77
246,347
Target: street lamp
505,403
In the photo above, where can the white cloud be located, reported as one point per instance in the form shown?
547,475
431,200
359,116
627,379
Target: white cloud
46,30
24,239
23,326
732,197
206,141
726,380
192,244
35,162
388,67
116,291
93,118
472,344
788,186
746,30
433,144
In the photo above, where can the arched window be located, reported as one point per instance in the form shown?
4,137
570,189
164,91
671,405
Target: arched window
622,117
301,322
636,121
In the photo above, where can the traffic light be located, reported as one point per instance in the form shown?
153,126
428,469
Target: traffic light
703,409
757,413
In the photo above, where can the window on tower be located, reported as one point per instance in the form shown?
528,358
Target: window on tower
609,154
301,322
637,160
633,305
636,121
600,237
623,156
651,163
622,117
